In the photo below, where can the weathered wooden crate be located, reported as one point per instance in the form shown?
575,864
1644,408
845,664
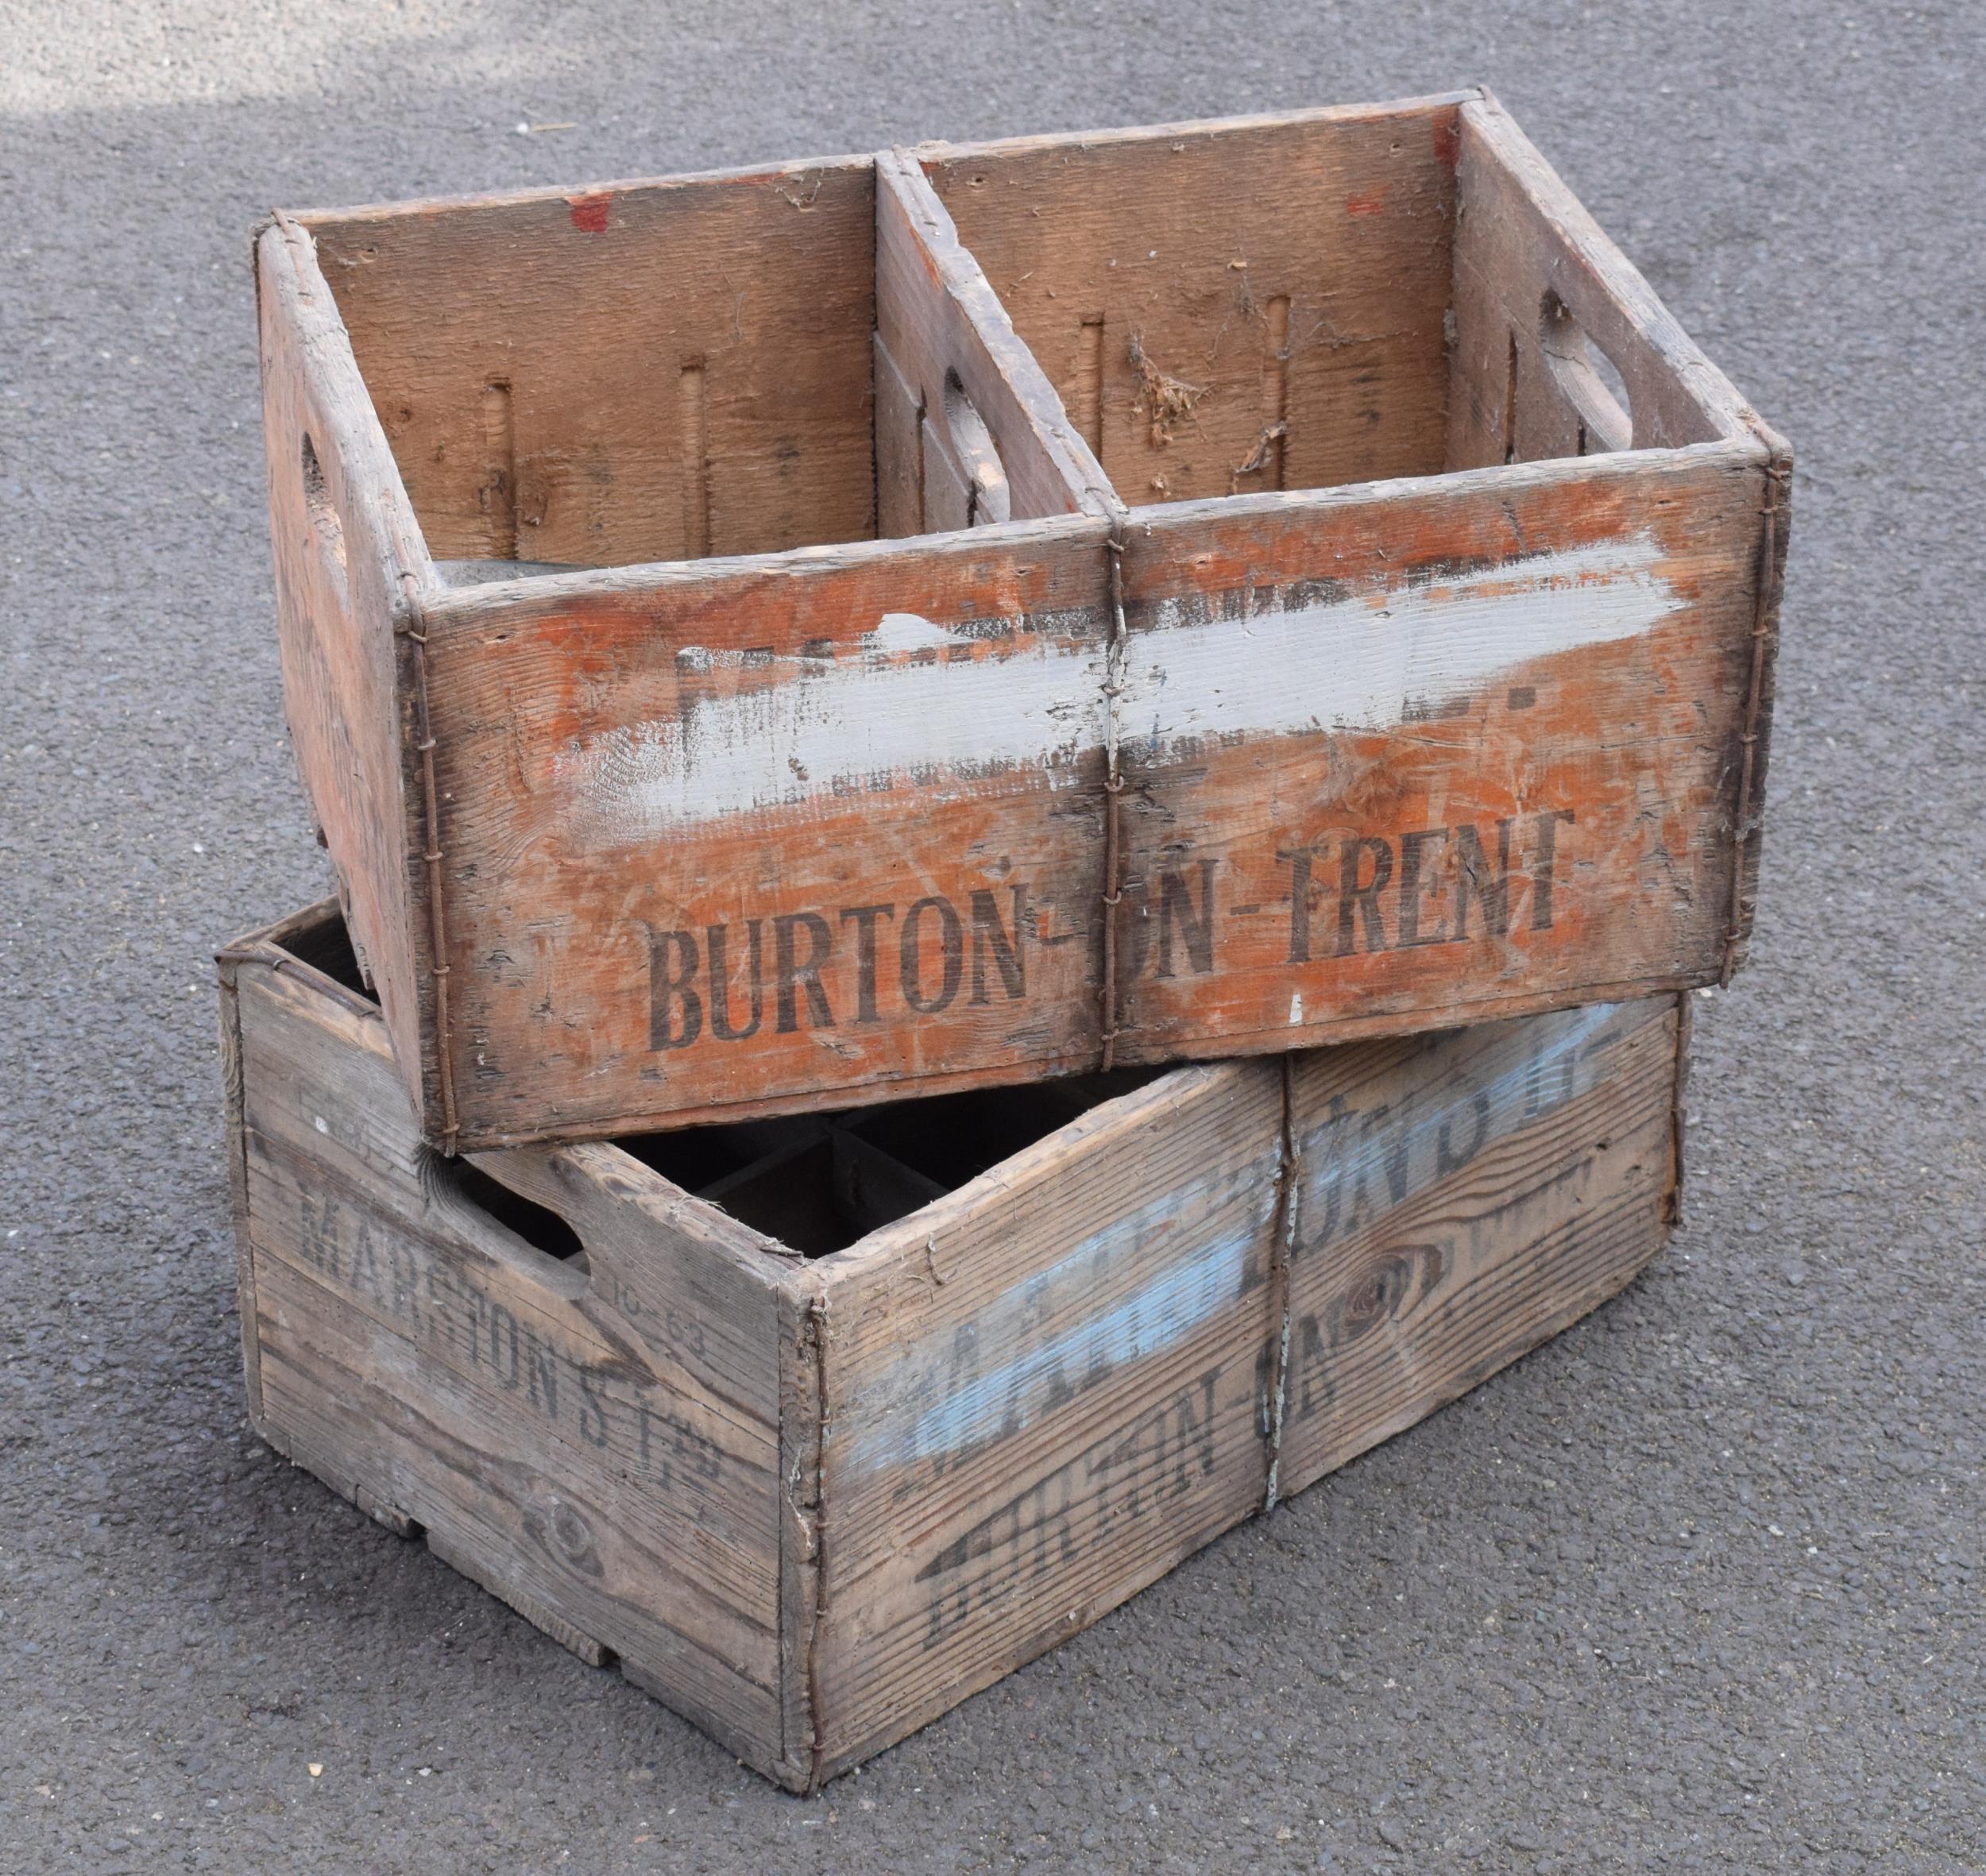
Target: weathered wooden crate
1405,659
815,1426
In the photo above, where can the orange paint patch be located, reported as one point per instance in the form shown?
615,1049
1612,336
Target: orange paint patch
1447,139
590,213
1367,201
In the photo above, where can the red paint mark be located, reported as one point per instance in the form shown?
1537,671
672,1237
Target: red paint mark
590,213
1447,139
1367,201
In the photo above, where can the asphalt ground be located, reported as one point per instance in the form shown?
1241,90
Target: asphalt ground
1697,1586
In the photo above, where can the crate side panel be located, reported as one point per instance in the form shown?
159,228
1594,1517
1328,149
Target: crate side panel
652,371
1440,749
1046,1394
337,555
1459,1201
541,1524
1229,309
324,1126
776,832
693,1478
1536,281
488,1391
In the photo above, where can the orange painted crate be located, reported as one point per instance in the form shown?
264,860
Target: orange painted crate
982,612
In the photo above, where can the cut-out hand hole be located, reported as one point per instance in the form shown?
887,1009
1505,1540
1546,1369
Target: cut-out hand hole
972,442
539,1227
1587,379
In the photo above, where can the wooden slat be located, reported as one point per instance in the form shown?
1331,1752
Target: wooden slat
1459,1200
337,1382
519,1351
944,325
587,883
899,422
237,1183
1543,673
1524,236
343,534
1042,1392
598,1442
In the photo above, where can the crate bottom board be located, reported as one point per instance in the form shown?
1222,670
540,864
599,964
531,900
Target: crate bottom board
1591,1262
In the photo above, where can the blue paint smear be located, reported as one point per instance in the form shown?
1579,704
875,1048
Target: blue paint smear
1545,1078
1164,1311
921,1409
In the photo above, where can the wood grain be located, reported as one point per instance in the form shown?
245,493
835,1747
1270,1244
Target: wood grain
1339,874
601,1451
1204,265
811,1503
343,534
586,310
1459,1200
1525,245
1041,1395
581,892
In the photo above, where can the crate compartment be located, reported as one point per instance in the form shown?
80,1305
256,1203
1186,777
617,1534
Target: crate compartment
554,476
828,1421
1300,302
643,372
1227,310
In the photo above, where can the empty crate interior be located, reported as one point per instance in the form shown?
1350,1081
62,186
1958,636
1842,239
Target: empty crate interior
660,372
816,1183
1286,305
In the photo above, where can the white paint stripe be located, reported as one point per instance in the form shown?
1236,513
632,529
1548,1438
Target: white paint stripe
924,705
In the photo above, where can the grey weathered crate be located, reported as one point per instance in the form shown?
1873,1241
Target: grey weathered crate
816,1425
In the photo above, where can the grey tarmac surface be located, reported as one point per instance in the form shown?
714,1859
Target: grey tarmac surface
1697,1587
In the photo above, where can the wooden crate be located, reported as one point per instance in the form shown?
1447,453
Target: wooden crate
815,1426
1345,605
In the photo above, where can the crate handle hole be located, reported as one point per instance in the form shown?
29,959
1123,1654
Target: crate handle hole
990,501
537,1225
1587,379
322,510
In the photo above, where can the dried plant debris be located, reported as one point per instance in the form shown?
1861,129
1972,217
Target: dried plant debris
1165,399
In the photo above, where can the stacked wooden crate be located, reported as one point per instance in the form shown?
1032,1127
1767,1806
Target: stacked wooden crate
831,678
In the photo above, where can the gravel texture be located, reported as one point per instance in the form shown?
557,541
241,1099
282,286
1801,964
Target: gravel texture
1698,1586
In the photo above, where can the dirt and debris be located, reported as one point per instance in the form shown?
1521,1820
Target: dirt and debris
1165,399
